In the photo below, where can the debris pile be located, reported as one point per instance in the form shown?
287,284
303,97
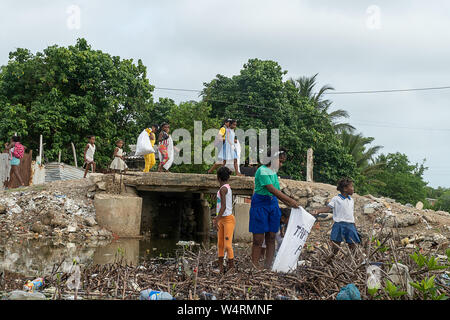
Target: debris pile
48,212
428,227
193,272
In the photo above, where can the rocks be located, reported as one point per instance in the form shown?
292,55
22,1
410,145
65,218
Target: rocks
95,177
90,221
419,205
23,295
101,185
396,221
59,221
3,209
72,227
370,208
37,227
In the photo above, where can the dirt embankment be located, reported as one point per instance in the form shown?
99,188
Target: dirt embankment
412,227
62,210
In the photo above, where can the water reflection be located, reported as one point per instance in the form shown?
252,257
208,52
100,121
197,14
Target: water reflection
34,258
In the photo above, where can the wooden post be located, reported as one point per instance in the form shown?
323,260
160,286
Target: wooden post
59,156
74,155
309,165
40,149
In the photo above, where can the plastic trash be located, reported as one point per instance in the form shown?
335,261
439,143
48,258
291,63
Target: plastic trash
186,243
281,297
143,145
399,274
207,296
349,292
299,226
155,295
36,284
74,280
373,277
24,295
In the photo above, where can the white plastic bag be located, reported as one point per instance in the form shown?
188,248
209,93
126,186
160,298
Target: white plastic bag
373,277
74,280
143,145
299,226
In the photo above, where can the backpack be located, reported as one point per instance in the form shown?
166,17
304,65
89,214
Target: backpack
19,150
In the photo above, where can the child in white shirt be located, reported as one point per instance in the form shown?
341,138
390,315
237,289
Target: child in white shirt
344,228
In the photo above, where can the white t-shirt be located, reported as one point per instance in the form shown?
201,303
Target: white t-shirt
228,201
342,208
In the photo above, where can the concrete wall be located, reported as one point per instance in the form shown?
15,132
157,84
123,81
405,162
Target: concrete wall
121,214
242,215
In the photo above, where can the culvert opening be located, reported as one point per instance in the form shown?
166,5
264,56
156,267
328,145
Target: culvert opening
175,215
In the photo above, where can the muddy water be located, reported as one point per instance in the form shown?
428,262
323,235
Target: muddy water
34,258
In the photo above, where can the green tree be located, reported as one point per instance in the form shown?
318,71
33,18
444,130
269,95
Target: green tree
260,99
68,93
306,87
182,116
443,202
402,180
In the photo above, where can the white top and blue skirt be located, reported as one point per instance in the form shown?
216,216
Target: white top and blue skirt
344,228
228,151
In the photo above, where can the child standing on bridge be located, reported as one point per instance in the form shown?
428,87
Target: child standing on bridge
225,221
150,159
344,228
89,155
118,164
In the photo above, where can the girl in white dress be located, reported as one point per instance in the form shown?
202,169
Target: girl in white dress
118,164
89,155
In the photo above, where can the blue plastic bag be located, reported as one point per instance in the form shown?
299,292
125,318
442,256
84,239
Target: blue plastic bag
349,292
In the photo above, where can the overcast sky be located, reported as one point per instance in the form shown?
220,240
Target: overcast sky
353,45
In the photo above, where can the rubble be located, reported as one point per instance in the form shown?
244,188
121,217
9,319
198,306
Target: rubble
56,210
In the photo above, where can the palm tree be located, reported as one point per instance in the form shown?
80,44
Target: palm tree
305,87
363,156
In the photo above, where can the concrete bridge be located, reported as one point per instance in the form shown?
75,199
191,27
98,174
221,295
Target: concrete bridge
185,182
165,204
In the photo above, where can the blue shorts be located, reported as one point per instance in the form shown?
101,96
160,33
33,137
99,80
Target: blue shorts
265,214
14,161
344,231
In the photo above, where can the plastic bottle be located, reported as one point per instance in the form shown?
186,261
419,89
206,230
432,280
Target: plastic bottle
155,295
207,296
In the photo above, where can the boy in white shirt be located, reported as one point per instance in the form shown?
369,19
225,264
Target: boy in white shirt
343,216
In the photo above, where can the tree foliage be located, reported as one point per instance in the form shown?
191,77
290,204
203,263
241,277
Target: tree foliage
402,180
260,99
68,93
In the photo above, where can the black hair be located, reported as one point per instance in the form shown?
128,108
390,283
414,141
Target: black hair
117,141
223,174
15,138
232,121
156,126
163,124
342,183
90,136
